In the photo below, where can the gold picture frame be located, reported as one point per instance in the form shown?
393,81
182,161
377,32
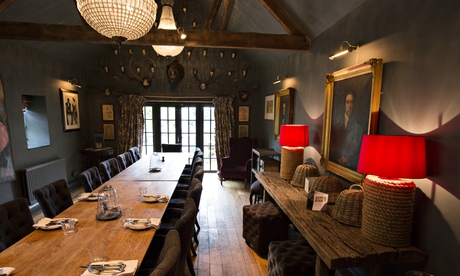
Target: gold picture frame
269,113
243,113
109,131
107,112
284,109
243,131
354,91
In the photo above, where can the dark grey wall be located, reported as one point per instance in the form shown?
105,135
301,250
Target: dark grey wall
26,71
419,44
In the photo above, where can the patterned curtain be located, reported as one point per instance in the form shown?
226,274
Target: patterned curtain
223,113
131,123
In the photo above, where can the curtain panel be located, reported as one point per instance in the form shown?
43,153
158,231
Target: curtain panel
224,117
131,123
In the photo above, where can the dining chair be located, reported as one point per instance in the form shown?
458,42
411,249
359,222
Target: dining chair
171,147
182,220
188,170
109,168
188,167
54,198
135,153
199,173
90,179
186,178
122,161
168,261
129,158
16,222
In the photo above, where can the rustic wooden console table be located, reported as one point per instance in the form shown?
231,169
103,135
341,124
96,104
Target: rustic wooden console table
338,246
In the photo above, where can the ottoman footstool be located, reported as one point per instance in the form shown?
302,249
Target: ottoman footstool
263,223
291,258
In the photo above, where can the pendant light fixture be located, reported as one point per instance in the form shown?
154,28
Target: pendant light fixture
167,22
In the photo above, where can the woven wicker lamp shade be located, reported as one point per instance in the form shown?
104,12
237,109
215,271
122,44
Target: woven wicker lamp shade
119,20
293,139
388,201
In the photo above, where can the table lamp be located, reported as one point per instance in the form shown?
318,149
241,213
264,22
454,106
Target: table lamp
293,139
388,202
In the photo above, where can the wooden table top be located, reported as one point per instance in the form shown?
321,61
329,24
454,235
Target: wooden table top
171,168
49,252
337,245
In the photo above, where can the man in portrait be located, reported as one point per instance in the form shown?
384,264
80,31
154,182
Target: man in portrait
346,134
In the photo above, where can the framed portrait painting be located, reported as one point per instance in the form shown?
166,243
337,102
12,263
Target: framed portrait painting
70,110
284,109
269,113
352,103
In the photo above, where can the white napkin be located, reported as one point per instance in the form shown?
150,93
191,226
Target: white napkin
85,196
154,222
44,221
130,269
6,270
157,198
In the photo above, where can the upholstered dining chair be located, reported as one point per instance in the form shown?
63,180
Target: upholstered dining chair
122,162
16,222
90,179
199,173
188,167
168,261
171,147
183,223
237,164
54,198
109,168
135,153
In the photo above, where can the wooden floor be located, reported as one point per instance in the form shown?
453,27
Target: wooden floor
222,249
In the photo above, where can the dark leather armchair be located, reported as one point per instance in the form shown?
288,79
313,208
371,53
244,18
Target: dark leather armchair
238,164
16,222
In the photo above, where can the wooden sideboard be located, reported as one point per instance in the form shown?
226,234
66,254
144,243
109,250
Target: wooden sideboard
338,246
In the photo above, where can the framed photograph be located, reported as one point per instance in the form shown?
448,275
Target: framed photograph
269,107
7,172
109,131
107,112
284,109
70,110
243,131
243,113
351,110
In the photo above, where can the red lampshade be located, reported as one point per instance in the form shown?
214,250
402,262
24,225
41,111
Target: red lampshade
294,135
393,156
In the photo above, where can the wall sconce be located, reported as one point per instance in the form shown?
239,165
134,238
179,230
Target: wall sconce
182,33
74,82
278,79
342,50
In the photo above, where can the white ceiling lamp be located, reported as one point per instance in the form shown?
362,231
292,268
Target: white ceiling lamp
167,22
119,20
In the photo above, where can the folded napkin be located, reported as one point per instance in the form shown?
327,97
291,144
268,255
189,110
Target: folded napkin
155,198
48,223
130,269
6,270
86,196
152,222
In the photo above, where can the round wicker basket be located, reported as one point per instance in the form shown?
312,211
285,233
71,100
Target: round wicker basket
303,171
349,205
329,185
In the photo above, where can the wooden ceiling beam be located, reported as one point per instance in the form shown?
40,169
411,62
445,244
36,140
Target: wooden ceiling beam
226,11
212,15
5,4
195,38
280,15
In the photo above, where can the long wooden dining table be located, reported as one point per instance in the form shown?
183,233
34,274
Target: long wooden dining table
49,252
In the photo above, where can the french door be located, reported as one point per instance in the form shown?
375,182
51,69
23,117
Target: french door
191,125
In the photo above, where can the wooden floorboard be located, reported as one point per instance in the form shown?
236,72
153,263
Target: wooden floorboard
222,249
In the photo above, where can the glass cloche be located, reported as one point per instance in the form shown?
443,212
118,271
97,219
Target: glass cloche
107,206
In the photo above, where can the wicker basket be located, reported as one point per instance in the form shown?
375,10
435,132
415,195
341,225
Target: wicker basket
303,171
329,185
349,206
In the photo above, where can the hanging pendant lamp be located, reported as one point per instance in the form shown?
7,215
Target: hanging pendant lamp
167,22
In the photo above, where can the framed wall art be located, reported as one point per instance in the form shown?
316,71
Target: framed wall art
243,131
6,154
243,113
351,110
70,109
109,131
284,109
269,113
107,112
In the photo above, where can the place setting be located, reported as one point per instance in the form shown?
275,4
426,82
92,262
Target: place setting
100,265
88,197
152,198
133,223
66,224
